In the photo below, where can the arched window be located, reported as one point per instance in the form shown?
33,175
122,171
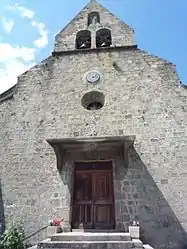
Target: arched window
93,18
83,39
103,38
93,100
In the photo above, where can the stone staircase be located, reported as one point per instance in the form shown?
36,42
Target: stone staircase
91,240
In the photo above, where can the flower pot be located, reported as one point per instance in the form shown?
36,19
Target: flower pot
134,232
52,230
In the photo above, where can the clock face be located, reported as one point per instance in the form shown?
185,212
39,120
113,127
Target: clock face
93,77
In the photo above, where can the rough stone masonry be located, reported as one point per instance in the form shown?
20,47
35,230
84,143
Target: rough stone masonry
138,94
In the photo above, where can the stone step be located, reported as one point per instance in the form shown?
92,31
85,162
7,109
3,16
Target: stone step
134,244
94,230
81,236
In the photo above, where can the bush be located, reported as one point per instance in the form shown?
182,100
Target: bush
13,237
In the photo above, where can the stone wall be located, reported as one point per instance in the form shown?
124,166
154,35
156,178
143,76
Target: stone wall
143,97
140,198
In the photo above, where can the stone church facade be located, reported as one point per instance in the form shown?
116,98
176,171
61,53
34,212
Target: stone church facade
96,134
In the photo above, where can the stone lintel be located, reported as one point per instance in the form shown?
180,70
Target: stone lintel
66,145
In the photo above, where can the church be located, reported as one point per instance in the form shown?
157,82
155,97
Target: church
96,135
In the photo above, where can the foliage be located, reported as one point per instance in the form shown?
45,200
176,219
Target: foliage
13,237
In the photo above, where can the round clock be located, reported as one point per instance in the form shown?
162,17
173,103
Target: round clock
93,77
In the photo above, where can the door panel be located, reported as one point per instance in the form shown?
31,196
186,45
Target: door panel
82,204
101,186
93,204
83,186
103,200
103,216
82,216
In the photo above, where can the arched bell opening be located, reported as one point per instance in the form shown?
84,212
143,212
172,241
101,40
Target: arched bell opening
103,38
83,39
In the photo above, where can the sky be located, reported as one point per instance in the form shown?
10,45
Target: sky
28,29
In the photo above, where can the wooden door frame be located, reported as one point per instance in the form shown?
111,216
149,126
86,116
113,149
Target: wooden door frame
73,185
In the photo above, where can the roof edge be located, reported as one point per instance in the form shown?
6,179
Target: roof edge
8,94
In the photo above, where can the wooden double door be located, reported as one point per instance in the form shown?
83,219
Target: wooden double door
93,202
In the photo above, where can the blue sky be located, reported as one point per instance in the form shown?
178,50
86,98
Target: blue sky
27,30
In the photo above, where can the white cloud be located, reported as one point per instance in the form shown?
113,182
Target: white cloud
9,73
15,60
30,14
24,12
8,53
7,24
43,40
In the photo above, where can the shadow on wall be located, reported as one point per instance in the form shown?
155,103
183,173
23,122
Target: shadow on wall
160,226
2,214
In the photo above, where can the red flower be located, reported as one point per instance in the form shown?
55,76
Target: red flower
56,222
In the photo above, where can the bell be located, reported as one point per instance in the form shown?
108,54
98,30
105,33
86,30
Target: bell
103,44
83,45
